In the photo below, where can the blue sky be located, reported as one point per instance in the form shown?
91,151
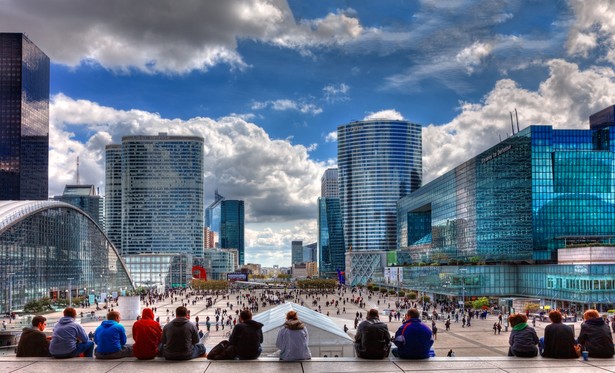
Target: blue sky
267,82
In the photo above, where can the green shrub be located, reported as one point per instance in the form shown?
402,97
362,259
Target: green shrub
401,294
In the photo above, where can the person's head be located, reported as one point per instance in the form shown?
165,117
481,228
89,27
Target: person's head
292,315
591,314
413,313
70,312
113,315
245,315
517,318
372,314
181,311
555,316
39,322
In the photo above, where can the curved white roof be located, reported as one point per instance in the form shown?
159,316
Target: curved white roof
13,211
275,318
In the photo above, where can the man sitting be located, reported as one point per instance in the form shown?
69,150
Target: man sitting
180,339
110,338
413,338
247,337
69,338
373,340
33,342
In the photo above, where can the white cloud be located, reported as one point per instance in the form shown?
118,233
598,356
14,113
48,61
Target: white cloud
385,114
240,158
565,100
287,104
272,245
331,137
336,93
594,26
473,55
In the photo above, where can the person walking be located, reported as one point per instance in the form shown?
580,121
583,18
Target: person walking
293,339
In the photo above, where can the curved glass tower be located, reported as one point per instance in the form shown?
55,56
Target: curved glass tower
379,162
49,248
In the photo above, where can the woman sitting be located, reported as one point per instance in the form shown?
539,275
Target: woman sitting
293,339
559,340
523,338
595,336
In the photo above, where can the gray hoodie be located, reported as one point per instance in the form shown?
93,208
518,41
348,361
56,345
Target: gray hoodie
66,333
179,337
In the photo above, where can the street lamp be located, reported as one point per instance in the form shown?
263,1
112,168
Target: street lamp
11,296
70,291
463,287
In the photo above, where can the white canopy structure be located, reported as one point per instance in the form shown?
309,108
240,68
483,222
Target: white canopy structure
326,337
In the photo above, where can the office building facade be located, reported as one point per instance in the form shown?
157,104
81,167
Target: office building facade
53,249
160,197
24,119
296,250
331,247
329,183
502,223
232,227
86,198
379,162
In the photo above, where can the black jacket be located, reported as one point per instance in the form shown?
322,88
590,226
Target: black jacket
247,338
178,338
596,338
373,339
559,342
32,343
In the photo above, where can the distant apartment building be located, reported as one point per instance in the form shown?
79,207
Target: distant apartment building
329,185
24,119
253,268
86,198
304,270
209,238
222,261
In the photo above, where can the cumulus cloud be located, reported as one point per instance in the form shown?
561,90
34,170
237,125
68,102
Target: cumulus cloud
286,104
565,100
168,36
336,93
240,158
384,114
270,246
331,137
593,26
473,55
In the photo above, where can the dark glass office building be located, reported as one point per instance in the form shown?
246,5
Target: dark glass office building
24,119
330,237
51,248
500,223
232,227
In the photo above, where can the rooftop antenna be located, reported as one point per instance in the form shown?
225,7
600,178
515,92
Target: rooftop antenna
517,119
511,123
77,175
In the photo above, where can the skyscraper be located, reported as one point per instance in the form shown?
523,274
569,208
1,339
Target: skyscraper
296,252
331,248
113,194
232,227
24,119
212,214
329,185
161,194
379,162
86,198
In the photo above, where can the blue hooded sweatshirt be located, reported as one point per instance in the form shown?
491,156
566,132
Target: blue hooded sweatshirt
418,340
65,336
109,337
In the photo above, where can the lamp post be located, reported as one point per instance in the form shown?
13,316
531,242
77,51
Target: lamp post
463,288
11,296
70,292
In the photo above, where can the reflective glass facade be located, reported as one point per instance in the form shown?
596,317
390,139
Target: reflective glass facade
113,194
330,237
24,119
161,195
84,197
232,227
160,270
47,246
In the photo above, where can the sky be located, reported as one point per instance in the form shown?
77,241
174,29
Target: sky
267,83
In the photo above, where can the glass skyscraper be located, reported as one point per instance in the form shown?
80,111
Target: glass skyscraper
232,227
379,161
24,119
522,218
330,237
84,197
113,194
161,194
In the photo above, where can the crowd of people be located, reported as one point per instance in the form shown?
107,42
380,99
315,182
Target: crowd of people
181,338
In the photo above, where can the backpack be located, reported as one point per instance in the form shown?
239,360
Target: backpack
376,339
222,351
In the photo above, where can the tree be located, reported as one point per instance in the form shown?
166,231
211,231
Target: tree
480,303
531,307
412,295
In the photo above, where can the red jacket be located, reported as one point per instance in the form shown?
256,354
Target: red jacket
146,333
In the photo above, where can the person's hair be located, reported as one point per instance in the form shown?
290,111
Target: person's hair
292,315
181,311
37,320
373,313
70,312
245,315
591,314
555,316
517,318
413,313
113,315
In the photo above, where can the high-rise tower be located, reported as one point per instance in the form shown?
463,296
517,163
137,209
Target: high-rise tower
232,227
379,162
24,119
